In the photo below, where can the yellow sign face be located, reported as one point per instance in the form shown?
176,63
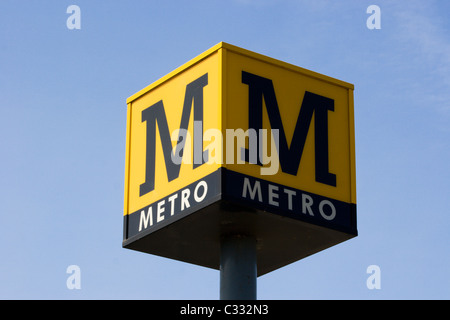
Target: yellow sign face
314,118
155,118
238,126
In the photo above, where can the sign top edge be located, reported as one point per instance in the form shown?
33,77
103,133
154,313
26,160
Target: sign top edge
245,52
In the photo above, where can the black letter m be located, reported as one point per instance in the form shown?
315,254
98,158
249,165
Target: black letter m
290,157
156,114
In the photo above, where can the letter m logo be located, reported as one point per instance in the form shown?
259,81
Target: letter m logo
156,115
290,155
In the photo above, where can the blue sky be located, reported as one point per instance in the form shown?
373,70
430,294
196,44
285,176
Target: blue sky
62,140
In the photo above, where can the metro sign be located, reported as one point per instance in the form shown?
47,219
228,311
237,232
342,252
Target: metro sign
234,142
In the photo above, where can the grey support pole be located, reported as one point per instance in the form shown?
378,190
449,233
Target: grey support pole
238,270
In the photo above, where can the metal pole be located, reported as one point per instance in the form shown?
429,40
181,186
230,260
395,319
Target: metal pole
238,270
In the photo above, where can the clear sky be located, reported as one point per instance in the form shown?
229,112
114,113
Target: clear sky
63,123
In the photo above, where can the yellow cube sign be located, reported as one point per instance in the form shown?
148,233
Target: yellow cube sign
236,142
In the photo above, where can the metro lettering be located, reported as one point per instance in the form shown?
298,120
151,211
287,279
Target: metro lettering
278,196
145,219
178,202
256,189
